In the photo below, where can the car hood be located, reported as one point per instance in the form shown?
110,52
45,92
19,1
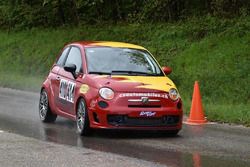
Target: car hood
133,83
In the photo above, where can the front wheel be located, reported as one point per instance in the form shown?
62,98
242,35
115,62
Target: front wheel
82,119
172,133
45,113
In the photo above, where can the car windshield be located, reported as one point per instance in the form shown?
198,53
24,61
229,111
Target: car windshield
122,61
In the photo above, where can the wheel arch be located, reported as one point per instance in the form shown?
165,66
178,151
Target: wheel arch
77,102
42,88
48,90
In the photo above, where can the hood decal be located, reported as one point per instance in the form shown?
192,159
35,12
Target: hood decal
141,82
155,83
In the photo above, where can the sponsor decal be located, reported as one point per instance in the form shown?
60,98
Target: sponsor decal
84,88
160,95
67,90
147,113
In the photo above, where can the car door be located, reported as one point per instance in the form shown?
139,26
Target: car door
55,82
68,83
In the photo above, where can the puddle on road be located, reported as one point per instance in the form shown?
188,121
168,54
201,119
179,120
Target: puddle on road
63,132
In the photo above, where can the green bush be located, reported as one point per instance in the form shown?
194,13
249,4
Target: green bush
26,14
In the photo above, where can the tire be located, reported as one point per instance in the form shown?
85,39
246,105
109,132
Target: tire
45,113
172,133
82,119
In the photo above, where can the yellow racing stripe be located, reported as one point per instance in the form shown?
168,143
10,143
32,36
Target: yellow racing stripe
118,45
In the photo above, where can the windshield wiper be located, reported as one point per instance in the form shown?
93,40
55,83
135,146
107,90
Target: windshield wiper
99,72
136,73
133,73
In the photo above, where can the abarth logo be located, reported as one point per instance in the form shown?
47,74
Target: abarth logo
147,113
144,100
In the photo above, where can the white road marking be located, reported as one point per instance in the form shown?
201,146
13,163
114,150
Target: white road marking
206,123
1,131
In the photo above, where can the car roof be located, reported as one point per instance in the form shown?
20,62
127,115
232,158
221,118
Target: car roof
108,44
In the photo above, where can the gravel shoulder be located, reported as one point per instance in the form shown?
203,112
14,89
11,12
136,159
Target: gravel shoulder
19,151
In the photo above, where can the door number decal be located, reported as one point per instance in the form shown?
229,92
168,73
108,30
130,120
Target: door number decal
67,90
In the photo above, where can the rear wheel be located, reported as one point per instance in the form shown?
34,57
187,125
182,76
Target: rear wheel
82,119
44,110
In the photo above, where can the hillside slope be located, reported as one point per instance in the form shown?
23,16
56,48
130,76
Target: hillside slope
214,52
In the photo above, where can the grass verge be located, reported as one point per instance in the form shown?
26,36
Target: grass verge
222,112
22,82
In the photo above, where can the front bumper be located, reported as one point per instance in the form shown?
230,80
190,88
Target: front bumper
120,114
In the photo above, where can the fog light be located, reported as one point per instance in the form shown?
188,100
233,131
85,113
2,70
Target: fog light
102,104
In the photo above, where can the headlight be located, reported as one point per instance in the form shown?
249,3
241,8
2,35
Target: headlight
173,94
106,93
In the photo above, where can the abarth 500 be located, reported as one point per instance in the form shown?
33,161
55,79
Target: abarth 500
110,85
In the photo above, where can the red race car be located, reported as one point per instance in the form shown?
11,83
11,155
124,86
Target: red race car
110,85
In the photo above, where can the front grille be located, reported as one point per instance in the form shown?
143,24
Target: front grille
123,120
144,106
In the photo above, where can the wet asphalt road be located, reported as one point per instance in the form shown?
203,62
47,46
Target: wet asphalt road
198,146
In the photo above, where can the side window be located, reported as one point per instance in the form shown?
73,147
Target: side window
75,57
61,59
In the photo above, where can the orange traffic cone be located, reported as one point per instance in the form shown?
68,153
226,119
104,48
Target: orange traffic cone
197,160
196,116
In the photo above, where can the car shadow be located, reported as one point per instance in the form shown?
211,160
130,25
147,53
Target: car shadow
117,134
132,134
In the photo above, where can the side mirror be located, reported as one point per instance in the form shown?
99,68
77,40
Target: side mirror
71,68
166,70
